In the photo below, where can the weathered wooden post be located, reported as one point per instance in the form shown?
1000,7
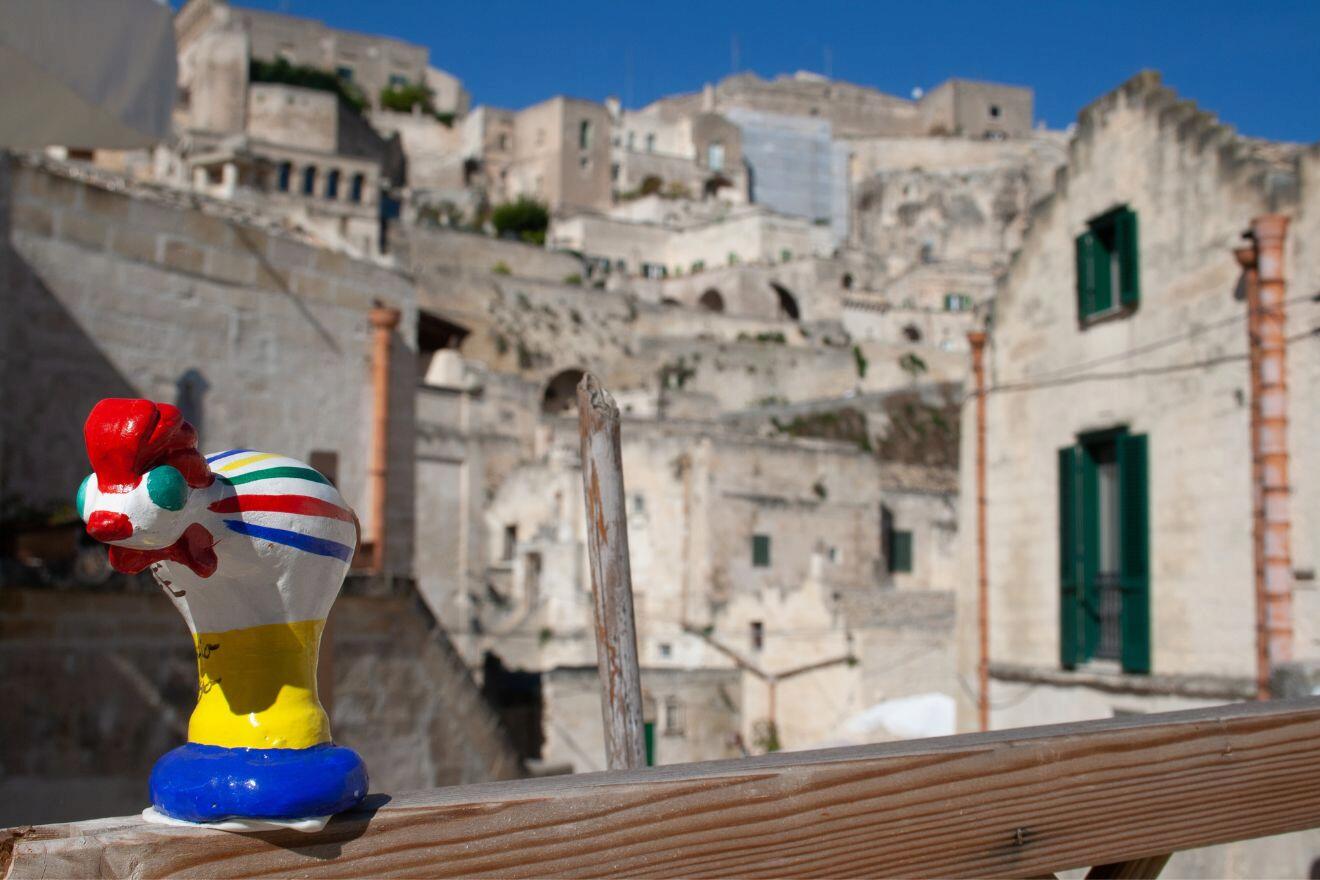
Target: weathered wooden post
611,577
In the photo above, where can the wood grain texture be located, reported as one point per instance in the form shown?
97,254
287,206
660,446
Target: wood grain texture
1017,803
611,575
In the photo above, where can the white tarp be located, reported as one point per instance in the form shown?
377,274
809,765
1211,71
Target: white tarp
85,73
915,717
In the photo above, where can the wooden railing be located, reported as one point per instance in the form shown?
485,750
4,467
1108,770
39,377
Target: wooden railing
1120,794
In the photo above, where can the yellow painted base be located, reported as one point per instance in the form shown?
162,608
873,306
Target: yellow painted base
257,688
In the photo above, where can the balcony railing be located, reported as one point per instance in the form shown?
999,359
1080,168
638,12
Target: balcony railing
1120,794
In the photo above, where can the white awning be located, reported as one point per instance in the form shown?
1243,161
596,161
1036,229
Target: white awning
86,73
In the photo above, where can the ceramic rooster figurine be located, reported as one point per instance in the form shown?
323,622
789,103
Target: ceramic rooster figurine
252,548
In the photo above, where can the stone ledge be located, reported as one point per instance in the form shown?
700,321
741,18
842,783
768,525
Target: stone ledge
1204,687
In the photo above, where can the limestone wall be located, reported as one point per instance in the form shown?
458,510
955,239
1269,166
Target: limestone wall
263,338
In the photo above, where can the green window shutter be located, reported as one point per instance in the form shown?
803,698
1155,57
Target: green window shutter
1086,250
1128,259
1134,548
648,739
900,547
1069,546
761,551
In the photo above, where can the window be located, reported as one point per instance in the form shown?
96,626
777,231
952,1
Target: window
654,270
345,73
673,717
957,302
282,176
614,172
332,184
761,551
912,333
584,162
666,650
584,134
1108,281
355,188
503,142
994,111
632,139
715,156
309,180
398,81
785,255
1104,551
650,143
757,635
510,542
895,544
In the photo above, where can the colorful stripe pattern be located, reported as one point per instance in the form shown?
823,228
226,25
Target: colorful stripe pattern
292,518
296,540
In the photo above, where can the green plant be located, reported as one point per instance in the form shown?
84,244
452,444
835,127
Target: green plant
765,735
819,488
861,361
674,376
402,97
544,635
775,338
650,185
913,365
525,219
281,71
574,278
501,268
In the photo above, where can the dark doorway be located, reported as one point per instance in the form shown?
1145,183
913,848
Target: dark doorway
516,697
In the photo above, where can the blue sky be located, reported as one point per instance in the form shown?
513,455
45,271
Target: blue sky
1257,65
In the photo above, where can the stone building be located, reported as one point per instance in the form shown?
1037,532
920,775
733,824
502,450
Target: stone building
370,62
1119,465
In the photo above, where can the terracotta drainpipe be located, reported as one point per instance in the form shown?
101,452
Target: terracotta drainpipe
977,340
1246,257
383,321
1267,329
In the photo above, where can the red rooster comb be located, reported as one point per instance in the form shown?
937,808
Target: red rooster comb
126,438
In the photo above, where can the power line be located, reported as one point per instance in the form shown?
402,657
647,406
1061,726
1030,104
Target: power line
1130,374
1049,377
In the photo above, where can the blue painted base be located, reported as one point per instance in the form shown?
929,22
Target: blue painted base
201,783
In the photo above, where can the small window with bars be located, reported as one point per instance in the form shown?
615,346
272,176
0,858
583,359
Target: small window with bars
760,551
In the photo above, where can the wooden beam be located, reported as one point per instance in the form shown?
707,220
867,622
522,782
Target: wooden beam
1017,803
611,575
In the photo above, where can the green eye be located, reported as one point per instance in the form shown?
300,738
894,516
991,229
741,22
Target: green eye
166,487
81,500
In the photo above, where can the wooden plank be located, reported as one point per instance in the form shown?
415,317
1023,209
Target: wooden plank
611,575
1007,803
1135,869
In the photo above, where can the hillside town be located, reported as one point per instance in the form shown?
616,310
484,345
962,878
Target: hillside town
935,419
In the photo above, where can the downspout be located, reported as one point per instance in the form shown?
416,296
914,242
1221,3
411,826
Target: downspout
1246,257
977,340
383,322
1269,437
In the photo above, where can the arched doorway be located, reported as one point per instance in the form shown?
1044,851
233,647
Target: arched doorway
788,304
711,300
560,395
